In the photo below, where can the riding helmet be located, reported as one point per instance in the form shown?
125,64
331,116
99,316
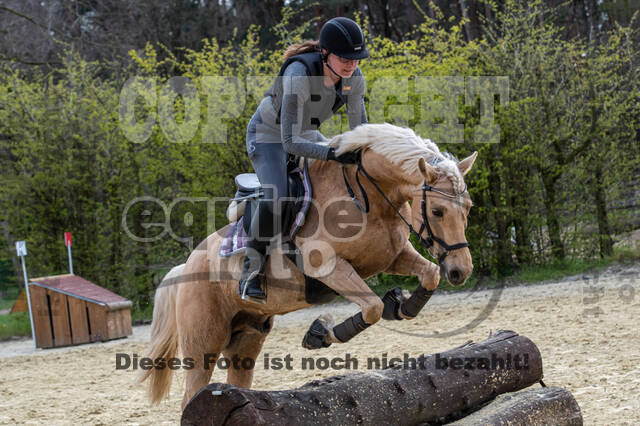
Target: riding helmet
343,37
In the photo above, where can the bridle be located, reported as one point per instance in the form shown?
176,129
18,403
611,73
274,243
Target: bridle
431,239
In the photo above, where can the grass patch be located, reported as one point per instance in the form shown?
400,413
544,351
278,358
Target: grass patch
625,255
528,274
8,297
568,267
7,303
14,325
559,269
141,315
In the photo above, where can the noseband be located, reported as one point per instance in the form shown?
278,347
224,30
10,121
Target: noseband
431,239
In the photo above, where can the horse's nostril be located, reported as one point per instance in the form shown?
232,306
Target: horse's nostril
454,275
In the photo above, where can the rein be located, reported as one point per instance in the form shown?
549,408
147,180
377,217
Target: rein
431,238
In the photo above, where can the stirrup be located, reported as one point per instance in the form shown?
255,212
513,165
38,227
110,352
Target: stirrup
245,286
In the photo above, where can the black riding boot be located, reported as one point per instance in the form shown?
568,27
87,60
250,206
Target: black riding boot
262,229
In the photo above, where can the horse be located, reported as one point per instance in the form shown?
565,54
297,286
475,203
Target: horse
408,184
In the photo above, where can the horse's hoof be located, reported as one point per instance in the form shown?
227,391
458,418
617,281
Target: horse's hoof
392,301
315,337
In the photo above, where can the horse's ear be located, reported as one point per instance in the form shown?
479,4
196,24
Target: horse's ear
427,171
465,165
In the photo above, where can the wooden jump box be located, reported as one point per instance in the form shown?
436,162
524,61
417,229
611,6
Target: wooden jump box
69,310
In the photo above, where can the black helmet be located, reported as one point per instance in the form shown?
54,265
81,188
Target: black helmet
344,38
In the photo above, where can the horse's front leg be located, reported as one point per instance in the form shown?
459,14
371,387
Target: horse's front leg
346,282
397,304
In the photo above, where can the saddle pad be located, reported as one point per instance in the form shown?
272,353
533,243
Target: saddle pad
235,240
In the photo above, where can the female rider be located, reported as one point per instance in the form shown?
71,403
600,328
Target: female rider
317,77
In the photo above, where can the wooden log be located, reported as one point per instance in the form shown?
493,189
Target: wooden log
536,406
401,395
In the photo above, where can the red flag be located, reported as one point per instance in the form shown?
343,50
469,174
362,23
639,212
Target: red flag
67,239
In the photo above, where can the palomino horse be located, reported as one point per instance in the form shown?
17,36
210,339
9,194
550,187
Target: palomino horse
204,314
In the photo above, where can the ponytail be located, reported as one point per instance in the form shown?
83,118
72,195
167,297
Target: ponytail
300,48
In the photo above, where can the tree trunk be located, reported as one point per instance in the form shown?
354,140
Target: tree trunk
469,10
520,201
17,267
523,252
386,19
465,14
429,388
553,223
430,10
488,14
541,406
604,230
503,252
411,13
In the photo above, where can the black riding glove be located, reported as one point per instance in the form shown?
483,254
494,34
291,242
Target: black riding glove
346,158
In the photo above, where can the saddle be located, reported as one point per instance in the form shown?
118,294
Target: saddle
294,207
294,211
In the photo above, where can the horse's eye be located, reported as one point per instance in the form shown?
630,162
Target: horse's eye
437,213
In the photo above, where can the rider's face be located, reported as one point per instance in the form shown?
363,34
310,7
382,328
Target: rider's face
342,66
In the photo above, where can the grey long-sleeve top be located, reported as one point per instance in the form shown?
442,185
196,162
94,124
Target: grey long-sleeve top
306,103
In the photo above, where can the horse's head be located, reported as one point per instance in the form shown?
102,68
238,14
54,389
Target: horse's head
400,166
444,217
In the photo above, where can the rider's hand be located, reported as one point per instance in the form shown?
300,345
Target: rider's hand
346,158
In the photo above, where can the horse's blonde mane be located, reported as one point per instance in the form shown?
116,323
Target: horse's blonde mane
401,146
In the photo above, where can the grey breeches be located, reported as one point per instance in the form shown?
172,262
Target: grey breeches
270,163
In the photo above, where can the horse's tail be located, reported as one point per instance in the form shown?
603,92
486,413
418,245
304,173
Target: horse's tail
164,335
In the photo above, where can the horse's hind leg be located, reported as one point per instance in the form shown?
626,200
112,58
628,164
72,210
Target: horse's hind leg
203,336
205,359
243,350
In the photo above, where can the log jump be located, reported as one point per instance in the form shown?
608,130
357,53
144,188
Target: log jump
432,389
536,406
